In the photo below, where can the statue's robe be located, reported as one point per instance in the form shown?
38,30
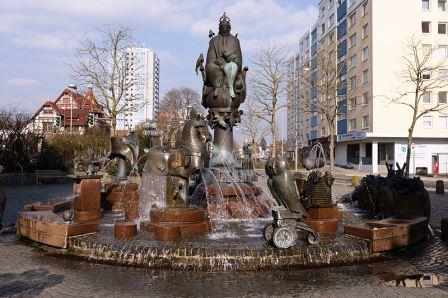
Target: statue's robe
230,45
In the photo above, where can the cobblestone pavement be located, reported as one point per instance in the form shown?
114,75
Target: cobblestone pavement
27,270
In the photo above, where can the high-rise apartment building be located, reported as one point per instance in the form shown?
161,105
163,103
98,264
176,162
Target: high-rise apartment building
369,39
144,71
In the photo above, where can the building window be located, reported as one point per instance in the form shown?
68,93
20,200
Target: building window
442,5
365,76
443,74
352,124
352,19
426,75
365,31
365,121
331,39
441,28
322,132
365,53
441,52
443,121
365,8
353,82
365,99
331,20
426,97
352,103
425,5
426,27
352,61
322,31
426,49
352,41
427,121
442,97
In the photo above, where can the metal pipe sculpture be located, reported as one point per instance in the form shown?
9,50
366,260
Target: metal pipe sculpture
287,216
125,149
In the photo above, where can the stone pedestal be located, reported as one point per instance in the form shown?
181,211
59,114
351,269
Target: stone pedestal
390,233
174,223
124,197
48,228
87,201
323,220
125,229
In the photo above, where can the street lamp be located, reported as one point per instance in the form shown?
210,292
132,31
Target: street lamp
71,87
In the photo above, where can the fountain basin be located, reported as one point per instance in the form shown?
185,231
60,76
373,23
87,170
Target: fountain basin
215,253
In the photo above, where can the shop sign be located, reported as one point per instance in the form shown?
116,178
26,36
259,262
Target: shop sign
351,136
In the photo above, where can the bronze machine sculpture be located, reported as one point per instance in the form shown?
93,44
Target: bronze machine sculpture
289,212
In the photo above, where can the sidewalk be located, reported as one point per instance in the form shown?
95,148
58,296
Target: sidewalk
345,175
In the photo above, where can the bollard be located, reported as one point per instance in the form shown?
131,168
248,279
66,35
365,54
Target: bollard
440,189
355,181
444,228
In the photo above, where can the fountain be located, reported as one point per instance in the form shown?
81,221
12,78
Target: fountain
191,210
228,189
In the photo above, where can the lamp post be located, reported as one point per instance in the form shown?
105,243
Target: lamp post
72,88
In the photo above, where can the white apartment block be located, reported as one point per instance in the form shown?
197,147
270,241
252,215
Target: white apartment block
370,38
144,71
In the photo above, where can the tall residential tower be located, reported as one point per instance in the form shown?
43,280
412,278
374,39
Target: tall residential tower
144,70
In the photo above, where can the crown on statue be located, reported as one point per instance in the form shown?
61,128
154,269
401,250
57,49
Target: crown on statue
224,19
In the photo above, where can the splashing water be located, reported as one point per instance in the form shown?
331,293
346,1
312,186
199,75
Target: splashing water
152,193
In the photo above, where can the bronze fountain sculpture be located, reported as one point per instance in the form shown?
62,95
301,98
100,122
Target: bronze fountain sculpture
182,163
224,87
224,90
287,216
126,149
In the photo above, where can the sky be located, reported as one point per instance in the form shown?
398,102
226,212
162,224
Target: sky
37,38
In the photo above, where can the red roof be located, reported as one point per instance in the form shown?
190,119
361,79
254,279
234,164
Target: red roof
82,107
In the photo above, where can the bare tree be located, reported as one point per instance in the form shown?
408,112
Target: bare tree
106,65
268,83
173,111
319,92
250,124
17,145
420,74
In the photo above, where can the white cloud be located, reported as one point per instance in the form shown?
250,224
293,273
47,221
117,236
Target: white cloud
268,20
22,82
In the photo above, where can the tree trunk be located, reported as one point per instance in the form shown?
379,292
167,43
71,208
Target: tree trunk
408,151
331,149
113,126
274,141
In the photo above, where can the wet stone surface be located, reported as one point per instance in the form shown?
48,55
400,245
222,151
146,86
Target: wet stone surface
234,245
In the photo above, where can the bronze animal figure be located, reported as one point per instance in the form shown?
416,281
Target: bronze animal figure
191,157
282,185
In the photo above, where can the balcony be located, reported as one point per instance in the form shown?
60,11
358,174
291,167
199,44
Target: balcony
342,10
342,127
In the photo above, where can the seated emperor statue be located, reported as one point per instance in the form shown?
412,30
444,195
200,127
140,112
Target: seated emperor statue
224,60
